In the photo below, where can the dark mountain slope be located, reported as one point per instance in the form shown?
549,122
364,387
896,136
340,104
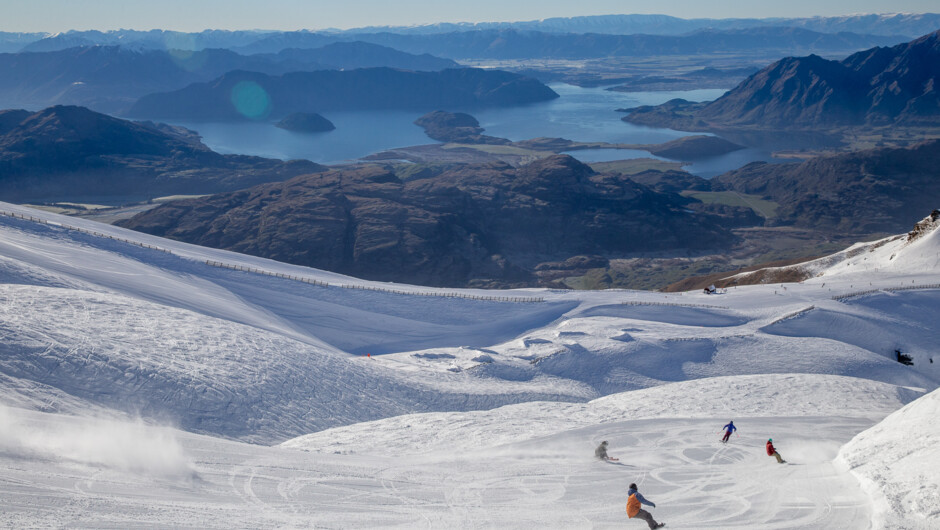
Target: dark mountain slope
880,86
363,89
64,152
873,191
809,90
351,55
482,225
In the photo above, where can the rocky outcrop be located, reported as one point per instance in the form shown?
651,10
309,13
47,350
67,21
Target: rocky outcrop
924,226
694,148
456,127
306,122
488,225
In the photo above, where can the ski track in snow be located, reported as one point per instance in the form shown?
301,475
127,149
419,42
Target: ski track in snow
469,413
550,481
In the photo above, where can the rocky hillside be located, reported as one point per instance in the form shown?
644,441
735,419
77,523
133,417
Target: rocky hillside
880,190
227,97
467,225
66,152
881,86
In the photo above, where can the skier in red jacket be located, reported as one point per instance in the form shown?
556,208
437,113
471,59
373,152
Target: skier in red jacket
773,452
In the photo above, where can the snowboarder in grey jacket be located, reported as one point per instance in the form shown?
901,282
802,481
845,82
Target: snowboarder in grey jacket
634,500
601,452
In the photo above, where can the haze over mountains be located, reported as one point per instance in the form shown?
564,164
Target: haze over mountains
907,24
111,78
518,44
890,25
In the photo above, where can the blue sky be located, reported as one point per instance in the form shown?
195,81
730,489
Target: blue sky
196,15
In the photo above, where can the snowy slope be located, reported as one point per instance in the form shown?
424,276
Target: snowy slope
915,255
90,321
898,462
522,466
469,410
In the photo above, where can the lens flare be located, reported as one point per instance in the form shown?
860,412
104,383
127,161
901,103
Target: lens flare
182,49
251,100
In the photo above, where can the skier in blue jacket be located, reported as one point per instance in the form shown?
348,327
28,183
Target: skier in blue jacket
728,430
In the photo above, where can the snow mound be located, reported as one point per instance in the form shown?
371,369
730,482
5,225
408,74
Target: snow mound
898,464
70,350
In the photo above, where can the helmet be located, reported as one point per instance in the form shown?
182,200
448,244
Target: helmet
770,440
604,442
633,486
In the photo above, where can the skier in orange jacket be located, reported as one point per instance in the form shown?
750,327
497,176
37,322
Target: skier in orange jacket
634,499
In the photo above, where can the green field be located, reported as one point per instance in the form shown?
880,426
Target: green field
501,149
764,208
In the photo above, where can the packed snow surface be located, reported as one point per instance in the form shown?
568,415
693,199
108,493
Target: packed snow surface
132,377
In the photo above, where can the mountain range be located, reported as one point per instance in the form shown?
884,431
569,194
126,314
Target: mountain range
909,24
876,87
111,78
497,42
325,90
895,24
520,44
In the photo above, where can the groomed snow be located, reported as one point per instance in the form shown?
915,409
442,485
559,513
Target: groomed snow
521,466
418,407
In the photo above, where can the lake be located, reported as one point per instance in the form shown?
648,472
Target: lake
580,114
